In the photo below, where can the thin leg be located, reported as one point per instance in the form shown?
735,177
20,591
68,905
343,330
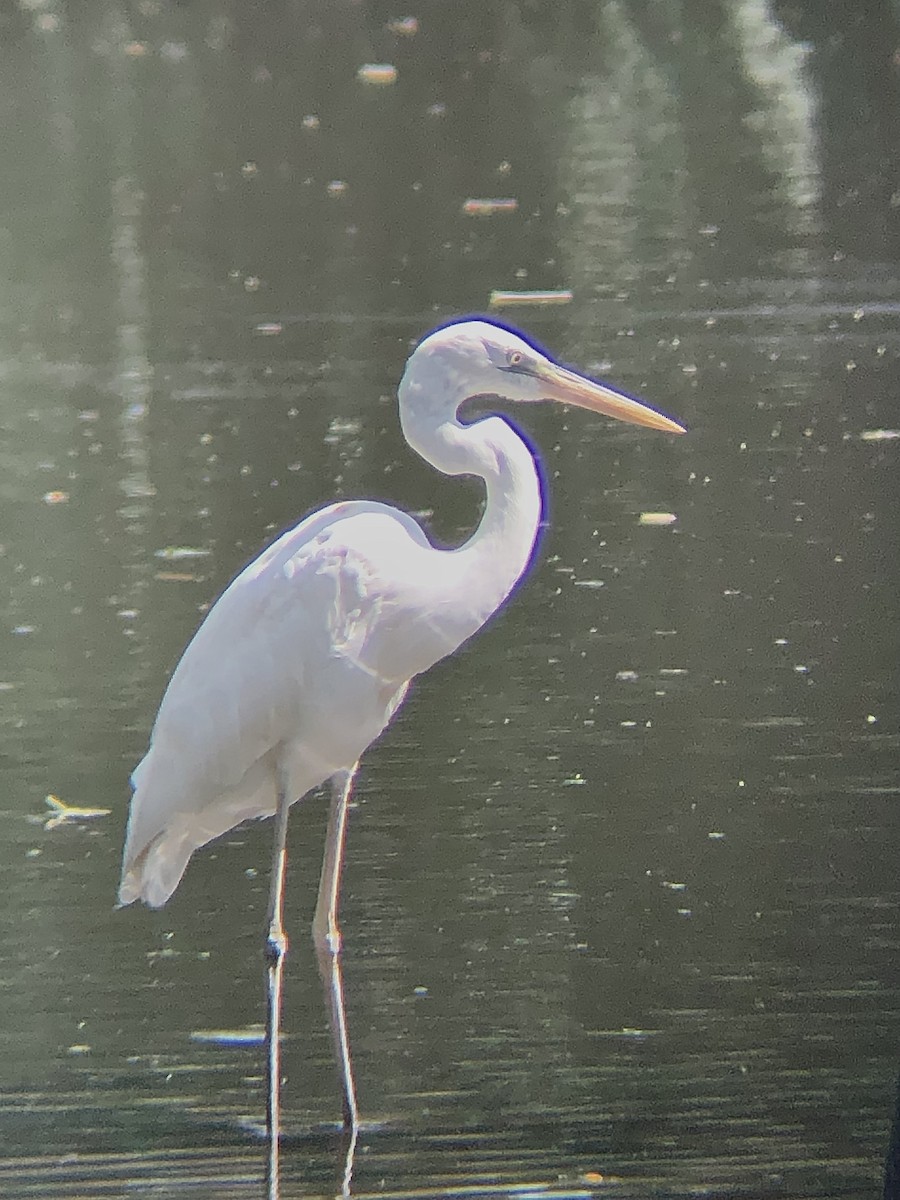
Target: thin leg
275,949
327,939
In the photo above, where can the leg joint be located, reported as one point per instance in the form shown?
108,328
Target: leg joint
275,948
327,938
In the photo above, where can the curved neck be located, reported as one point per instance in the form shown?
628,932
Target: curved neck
496,555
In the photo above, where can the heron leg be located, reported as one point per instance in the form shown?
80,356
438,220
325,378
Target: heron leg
327,939
275,949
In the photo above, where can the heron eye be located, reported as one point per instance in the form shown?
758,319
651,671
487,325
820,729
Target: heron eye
515,358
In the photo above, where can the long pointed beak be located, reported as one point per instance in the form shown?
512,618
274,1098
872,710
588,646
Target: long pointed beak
569,388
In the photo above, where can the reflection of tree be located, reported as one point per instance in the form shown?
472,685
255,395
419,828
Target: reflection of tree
736,210
856,72
854,75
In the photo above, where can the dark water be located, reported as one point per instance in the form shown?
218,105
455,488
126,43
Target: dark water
622,895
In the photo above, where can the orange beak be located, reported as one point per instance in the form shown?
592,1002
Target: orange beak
567,387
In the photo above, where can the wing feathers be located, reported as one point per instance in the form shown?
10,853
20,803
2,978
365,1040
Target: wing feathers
295,670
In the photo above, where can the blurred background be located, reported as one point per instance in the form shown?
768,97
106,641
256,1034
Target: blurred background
620,910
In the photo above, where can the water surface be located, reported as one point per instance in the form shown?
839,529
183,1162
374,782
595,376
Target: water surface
621,898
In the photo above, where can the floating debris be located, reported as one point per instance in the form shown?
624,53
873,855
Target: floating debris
879,435
62,814
657,518
501,299
626,676
268,328
178,577
404,26
178,553
377,74
56,497
486,208
166,952
626,1031
254,1035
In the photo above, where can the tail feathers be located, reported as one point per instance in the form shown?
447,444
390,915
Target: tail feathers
156,873
152,871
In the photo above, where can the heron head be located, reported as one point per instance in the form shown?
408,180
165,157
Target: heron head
482,358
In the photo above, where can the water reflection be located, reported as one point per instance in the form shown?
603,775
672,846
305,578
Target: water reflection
523,837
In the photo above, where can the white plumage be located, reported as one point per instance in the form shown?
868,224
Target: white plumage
304,659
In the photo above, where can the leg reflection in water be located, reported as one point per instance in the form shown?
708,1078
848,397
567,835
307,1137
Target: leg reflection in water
327,939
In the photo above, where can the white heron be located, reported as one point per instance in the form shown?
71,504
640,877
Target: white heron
304,659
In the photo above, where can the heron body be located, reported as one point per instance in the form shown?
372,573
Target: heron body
305,658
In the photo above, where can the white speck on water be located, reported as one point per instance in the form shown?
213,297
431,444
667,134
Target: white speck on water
487,207
378,74
178,553
499,298
253,1035
879,435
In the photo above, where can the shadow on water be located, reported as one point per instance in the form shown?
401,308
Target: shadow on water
621,904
